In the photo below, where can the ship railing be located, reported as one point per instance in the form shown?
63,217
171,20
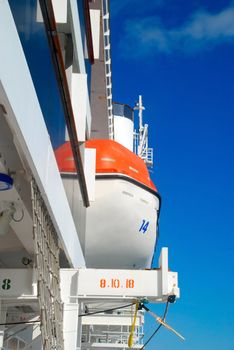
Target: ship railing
118,336
143,151
14,342
147,156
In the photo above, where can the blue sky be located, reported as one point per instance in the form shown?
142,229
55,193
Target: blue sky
179,55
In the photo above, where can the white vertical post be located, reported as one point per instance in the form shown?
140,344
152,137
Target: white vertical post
79,327
2,320
140,116
70,325
34,281
163,263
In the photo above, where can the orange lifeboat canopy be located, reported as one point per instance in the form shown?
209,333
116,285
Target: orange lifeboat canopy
111,158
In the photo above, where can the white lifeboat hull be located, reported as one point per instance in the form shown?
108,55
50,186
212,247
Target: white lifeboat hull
121,224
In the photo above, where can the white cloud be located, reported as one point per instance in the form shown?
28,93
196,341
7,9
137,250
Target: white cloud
205,26
150,36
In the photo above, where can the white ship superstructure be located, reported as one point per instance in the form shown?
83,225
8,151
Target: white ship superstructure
78,210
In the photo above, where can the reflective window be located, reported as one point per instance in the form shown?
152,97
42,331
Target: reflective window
35,45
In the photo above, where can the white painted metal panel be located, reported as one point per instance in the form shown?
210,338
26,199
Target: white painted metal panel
95,27
97,283
69,278
123,129
88,119
16,283
105,284
127,283
89,169
76,35
60,10
78,210
21,228
79,94
110,320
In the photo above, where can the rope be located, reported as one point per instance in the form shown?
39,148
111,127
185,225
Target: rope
131,339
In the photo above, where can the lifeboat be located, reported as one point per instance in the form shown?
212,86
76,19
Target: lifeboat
121,224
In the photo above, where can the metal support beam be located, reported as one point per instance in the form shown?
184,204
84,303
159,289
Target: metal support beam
120,285
93,284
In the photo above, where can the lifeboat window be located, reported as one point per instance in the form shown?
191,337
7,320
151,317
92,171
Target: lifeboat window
133,169
108,159
128,193
144,201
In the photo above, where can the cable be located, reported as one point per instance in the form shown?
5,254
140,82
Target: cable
157,329
21,322
107,310
14,334
17,332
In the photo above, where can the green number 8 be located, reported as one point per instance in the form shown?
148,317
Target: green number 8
6,284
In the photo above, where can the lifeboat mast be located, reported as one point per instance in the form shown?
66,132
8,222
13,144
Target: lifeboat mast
141,137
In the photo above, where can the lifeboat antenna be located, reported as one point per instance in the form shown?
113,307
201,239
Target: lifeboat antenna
141,137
